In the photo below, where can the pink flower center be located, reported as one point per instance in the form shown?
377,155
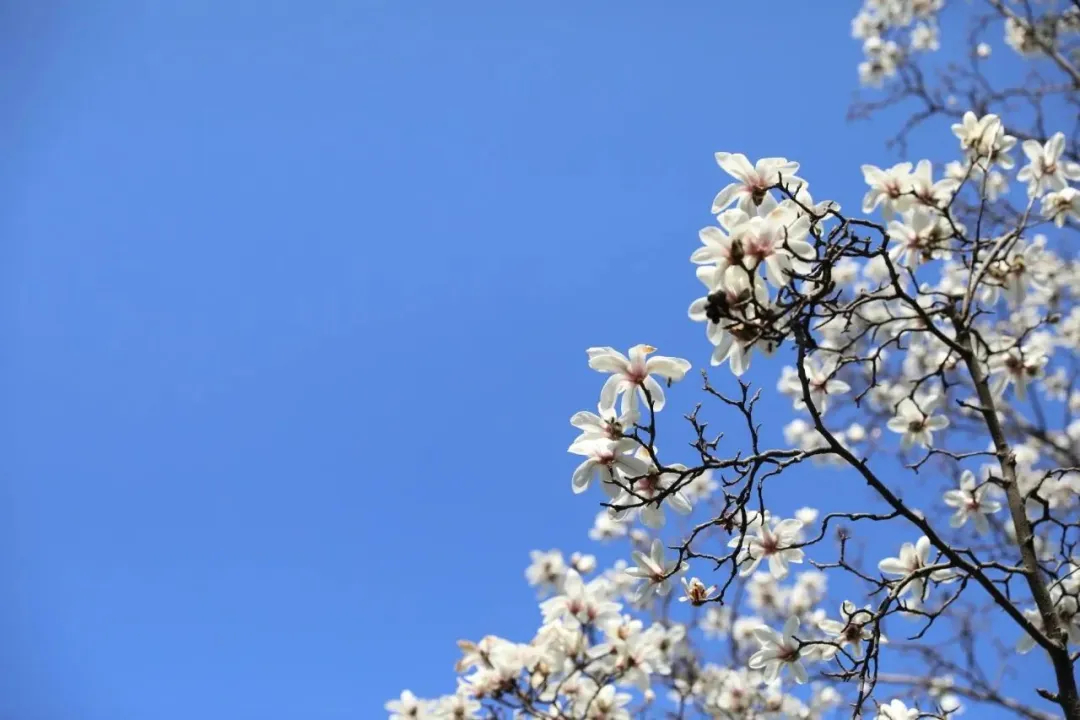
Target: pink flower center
760,248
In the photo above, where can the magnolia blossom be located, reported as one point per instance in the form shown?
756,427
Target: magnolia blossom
1015,275
716,621
882,59
546,570
775,241
696,592
924,38
779,650
716,245
1017,366
655,571
920,236
613,461
853,629
897,710
635,654
607,427
822,384
1061,206
926,191
770,543
458,706
633,376
580,602
971,502
606,527
408,707
732,311
753,181
909,564
1046,170
914,425
650,492
984,140
888,188
1064,596
609,704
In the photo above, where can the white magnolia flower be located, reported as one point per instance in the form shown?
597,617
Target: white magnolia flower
603,427
888,188
580,602
770,543
633,376
716,621
853,629
984,140
477,654
408,707
613,461
821,382
458,706
547,569
695,592
609,704
753,181
583,562
779,650
775,242
1017,366
716,246
654,570
701,486
1019,274
635,655
649,493
605,527
1061,205
897,710
1066,605
915,426
920,236
1027,40
732,311
1046,171
926,191
908,566
971,502
882,59
924,38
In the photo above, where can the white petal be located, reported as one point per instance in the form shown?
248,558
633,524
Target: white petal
669,367
607,359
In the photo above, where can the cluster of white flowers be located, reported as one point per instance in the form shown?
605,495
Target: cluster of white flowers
889,30
939,330
1043,35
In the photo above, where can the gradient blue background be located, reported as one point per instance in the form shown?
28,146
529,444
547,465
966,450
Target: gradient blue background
296,297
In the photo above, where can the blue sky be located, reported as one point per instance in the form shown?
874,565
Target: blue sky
297,297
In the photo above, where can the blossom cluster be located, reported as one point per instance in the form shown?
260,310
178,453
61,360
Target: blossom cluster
937,332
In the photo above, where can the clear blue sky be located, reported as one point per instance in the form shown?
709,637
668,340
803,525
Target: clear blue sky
296,298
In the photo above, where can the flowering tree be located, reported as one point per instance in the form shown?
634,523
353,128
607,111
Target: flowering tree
932,348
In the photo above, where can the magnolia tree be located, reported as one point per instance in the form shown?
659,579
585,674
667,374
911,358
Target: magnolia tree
932,348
